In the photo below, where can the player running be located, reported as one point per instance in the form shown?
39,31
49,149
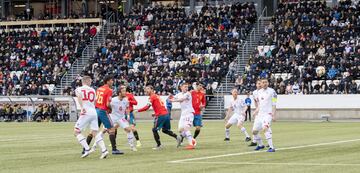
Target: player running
130,116
256,102
266,110
198,103
103,98
88,116
239,108
187,115
162,118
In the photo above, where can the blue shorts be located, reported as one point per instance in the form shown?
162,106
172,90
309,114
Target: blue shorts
131,119
162,122
104,119
197,120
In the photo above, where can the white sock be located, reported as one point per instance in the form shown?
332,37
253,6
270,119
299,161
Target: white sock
189,136
227,133
258,140
254,140
245,132
100,141
268,135
130,137
82,141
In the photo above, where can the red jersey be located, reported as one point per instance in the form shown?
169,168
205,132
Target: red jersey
103,97
132,101
158,105
198,99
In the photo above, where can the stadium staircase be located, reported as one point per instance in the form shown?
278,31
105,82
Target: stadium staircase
78,66
215,107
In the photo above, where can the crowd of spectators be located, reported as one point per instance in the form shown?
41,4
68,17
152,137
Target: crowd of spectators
32,61
44,112
316,47
163,46
51,112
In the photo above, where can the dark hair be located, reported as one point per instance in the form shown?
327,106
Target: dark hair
150,86
107,78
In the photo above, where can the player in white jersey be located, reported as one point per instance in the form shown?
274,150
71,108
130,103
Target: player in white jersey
187,115
238,107
266,110
88,116
256,102
119,108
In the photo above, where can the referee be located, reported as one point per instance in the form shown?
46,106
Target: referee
248,104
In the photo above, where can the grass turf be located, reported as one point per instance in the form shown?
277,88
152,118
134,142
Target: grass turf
51,147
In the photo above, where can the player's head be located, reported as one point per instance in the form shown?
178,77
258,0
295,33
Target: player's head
86,80
258,84
264,83
184,87
122,91
108,80
234,92
199,86
149,90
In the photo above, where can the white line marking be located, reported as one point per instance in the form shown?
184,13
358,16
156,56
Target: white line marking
287,164
252,152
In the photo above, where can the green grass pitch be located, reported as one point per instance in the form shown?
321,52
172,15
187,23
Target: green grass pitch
51,148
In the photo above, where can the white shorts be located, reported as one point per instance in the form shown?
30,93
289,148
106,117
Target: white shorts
262,121
85,120
186,121
236,119
121,121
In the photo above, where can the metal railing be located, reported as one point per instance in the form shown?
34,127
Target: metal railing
86,54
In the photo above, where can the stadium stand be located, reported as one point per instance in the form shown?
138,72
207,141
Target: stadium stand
32,61
309,48
164,46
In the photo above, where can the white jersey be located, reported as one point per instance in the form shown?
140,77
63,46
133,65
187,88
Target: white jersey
237,105
87,94
267,98
255,95
118,107
186,105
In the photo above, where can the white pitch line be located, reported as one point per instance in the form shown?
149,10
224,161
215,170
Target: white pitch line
252,152
287,164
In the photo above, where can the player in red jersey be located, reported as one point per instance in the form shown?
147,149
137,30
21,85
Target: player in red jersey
198,102
162,118
103,98
130,117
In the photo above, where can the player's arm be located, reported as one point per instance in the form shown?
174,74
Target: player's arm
132,100
203,102
177,99
274,101
228,112
146,107
244,108
80,101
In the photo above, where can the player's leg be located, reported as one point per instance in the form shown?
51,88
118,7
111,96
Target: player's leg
124,124
233,120
268,133
132,122
243,130
81,123
157,125
166,128
111,130
184,128
197,124
99,140
256,129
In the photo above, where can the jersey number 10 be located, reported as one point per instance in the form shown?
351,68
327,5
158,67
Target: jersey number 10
90,96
